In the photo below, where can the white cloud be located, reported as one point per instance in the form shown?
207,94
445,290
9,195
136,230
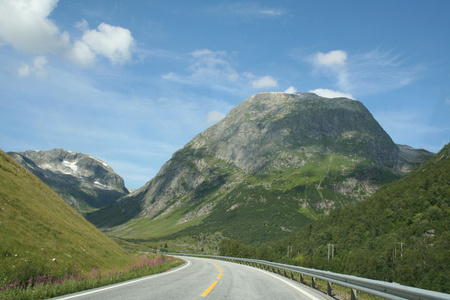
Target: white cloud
264,82
335,58
214,117
290,90
39,65
81,54
24,25
331,94
113,42
24,70
333,64
38,68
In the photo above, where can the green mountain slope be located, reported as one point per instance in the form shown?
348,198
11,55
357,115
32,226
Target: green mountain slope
41,234
274,164
400,234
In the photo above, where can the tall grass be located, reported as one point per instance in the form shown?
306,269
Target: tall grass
49,285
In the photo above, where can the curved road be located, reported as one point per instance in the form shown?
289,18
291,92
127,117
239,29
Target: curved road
201,278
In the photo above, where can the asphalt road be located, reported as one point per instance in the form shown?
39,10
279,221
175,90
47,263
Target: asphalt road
201,278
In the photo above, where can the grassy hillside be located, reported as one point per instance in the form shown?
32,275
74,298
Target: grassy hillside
400,234
41,234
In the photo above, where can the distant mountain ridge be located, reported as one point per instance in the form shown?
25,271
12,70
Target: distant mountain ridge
272,165
83,181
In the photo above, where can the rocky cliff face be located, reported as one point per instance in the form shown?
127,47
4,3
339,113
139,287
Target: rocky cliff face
278,155
83,181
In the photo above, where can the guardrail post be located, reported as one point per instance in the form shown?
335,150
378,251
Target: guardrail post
285,274
292,275
302,279
329,289
313,282
353,294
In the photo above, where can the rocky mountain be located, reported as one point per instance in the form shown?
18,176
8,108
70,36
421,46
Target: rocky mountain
83,181
272,165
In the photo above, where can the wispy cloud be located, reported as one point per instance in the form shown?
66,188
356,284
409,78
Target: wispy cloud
367,73
214,69
206,67
248,10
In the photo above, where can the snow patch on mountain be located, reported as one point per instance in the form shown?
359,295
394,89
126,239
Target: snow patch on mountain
100,161
101,185
71,164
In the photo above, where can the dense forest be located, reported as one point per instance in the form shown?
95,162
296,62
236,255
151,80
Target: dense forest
400,234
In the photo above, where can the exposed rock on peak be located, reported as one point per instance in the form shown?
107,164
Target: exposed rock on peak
269,123
83,181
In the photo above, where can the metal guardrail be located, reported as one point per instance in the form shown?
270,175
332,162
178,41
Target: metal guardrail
378,288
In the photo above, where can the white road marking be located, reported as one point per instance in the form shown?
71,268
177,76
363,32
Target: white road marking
126,283
287,282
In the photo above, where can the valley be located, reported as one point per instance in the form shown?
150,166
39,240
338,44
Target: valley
280,171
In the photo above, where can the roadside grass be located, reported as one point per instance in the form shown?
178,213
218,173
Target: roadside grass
49,285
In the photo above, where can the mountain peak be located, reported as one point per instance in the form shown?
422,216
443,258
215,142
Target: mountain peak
267,123
290,155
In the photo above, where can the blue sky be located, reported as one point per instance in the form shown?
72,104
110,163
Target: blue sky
131,82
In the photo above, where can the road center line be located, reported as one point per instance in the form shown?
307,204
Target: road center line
205,293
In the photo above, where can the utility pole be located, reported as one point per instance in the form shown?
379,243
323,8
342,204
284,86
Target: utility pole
330,251
289,250
401,249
